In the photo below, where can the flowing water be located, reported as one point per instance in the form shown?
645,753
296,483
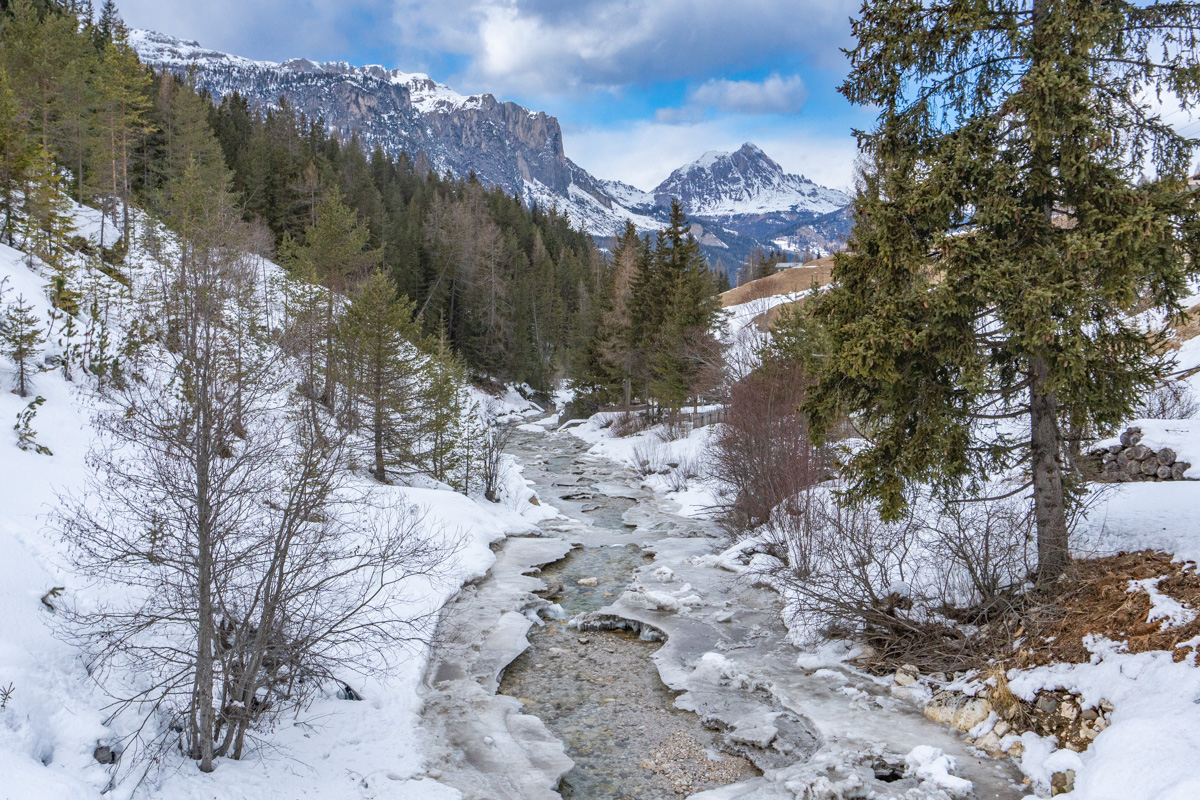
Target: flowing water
600,691
638,718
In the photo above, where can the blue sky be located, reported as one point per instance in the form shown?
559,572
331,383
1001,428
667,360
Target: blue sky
639,86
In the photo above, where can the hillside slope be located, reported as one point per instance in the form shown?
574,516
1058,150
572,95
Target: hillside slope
58,714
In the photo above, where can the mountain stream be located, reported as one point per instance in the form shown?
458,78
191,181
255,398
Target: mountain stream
610,657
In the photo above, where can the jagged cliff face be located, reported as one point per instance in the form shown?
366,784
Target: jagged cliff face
502,143
738,200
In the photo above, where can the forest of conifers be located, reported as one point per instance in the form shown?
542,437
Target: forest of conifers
520,294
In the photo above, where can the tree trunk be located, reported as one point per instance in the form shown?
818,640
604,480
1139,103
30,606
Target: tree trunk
378,422
1049,505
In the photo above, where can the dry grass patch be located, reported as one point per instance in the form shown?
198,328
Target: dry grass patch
1094,599
786,281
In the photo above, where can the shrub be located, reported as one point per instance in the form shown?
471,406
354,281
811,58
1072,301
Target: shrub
1172,400
762,453
921,590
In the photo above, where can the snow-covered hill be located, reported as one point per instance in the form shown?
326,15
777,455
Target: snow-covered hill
744,182
59,709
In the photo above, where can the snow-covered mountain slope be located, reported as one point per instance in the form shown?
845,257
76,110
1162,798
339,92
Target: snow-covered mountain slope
745,182
507,145
425,94
58,713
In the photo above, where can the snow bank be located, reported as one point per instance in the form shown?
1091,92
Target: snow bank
1148,751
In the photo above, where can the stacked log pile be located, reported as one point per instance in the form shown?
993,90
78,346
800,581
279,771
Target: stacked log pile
1133,461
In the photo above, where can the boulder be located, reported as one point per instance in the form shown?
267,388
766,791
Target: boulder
958,710
907,675
990,744
1062,783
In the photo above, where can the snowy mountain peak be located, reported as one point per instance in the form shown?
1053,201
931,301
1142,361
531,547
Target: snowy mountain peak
748,194
746,181
169,52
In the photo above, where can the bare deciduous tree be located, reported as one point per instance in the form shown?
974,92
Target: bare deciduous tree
762,452
238,568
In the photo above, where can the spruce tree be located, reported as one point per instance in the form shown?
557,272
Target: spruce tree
335,253
1021,198
26,435
441,411
21,337
617,347
376,336
682,347
48,220
14,156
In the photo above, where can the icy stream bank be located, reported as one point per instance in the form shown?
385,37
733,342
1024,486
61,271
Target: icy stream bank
814,732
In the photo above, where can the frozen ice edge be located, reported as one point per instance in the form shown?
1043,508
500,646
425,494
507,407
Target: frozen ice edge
483,743
818,734
823,734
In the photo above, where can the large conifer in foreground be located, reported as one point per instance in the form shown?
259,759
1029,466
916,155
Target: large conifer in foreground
1005,228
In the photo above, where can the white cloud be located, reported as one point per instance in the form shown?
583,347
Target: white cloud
775,95
549,46
267,29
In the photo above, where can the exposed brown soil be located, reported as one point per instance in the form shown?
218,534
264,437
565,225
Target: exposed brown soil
1094,599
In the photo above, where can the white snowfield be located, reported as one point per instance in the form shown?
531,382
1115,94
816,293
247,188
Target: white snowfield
57,713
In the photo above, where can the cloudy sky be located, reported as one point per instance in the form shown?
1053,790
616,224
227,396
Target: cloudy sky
639,86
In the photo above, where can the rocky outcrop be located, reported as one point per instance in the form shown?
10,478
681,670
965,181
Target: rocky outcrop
744,198
503,143
994,718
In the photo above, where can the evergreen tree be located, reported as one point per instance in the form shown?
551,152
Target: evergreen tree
1003,236
441,407
681,305
120,122
617,346
377,335
334,252
21,336
48,219
26,435
14,155
107,25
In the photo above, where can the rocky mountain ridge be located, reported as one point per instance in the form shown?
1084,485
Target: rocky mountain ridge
738,200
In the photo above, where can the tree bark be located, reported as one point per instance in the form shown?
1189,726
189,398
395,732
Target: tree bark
1046,441
1049,504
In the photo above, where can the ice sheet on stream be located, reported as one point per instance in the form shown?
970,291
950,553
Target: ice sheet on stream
478,742
828,733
